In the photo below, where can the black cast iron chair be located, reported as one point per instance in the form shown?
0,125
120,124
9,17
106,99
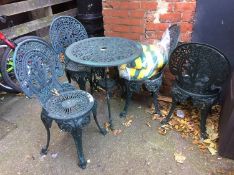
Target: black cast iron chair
153,84
37,69
64,31
200,72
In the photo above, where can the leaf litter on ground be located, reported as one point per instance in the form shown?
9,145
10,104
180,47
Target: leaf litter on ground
115,132
107,126
189,126
128,121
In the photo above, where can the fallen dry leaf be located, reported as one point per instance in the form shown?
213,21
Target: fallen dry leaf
202,147
156,117
107,126
212,150
207,141
162,131
167,127
116,132
148,124
213,136
179,157
221,171
164,112
128,121
213,145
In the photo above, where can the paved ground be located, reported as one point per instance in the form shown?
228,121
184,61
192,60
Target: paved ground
137,150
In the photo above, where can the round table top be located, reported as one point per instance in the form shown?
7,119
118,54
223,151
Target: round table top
103,51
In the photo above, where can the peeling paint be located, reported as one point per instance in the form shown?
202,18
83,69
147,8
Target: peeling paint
161,9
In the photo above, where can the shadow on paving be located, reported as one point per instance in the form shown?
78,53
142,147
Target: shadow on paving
137,149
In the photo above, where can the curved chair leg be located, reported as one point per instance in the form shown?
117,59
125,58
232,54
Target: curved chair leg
128,98
155,100
168,117
68,76
94,110
204,113
47,123
77,136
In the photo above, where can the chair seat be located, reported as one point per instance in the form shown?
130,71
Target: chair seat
195,94
69,105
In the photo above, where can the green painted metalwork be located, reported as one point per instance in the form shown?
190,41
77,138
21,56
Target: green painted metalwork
200,72
103,51
37,69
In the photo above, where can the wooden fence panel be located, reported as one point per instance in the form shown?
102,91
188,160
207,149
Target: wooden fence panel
34,25
29,5
41,16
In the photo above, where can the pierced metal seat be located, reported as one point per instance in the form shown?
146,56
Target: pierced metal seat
37,69
153,84
64,31
200,72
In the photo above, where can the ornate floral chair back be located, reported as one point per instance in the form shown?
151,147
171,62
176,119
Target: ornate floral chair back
174,32
37,69
64,31
199,68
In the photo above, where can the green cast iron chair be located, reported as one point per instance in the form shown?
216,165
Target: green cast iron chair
37,69
200,71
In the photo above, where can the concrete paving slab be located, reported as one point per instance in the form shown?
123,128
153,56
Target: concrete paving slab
138,149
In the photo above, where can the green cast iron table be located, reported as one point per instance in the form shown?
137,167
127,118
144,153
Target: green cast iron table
104,52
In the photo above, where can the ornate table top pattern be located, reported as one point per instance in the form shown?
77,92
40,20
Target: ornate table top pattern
103,51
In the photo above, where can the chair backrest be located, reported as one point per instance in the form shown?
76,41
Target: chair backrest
199,68
36,66
64,31
174,31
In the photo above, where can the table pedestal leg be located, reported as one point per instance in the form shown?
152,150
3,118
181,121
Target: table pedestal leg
108,100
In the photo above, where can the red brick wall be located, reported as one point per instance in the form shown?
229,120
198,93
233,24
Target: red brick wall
145,20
